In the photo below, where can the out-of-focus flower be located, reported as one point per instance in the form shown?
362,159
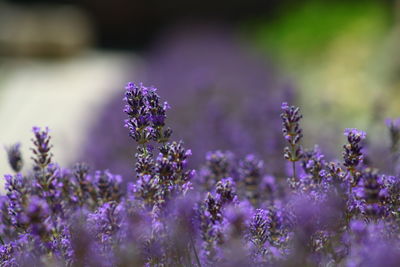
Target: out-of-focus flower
15,157
352,154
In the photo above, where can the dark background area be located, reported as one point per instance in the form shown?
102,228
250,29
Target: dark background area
125,24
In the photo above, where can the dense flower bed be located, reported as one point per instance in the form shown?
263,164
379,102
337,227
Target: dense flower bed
229,212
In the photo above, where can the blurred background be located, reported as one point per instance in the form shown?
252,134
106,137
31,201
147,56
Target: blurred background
224,66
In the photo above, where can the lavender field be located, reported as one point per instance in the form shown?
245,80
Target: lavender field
230,212
228,133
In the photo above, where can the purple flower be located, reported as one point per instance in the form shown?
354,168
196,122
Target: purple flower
145,189
163,177
41,150
17,189
107,186
210,217
218,165
82,188
371,190
106,222
15,157
352,154
232,213
313,163
354,135
250,177
35,217
259,228
6,255
291,129
292,133
146,114
267,234
226,191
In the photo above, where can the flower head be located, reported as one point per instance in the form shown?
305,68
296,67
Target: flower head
291,131
352,153
41,149
15,157
146,114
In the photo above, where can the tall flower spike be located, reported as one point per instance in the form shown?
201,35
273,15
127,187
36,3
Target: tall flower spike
42,147
352,155
210,218
258,228
292,133
17,193
15,157
267,232
137,108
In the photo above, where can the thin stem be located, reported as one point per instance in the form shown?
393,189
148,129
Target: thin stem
294,169
195,252
188,256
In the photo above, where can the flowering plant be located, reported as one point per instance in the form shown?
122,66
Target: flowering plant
231,212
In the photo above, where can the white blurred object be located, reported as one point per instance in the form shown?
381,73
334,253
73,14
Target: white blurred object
64,95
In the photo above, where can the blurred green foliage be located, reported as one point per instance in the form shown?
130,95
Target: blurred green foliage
336,53
302,31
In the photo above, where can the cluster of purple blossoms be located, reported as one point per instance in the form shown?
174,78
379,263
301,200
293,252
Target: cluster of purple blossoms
146,114
231,212
352,154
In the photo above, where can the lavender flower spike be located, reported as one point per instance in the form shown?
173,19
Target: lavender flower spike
292,133
352,155
146,114
41,147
